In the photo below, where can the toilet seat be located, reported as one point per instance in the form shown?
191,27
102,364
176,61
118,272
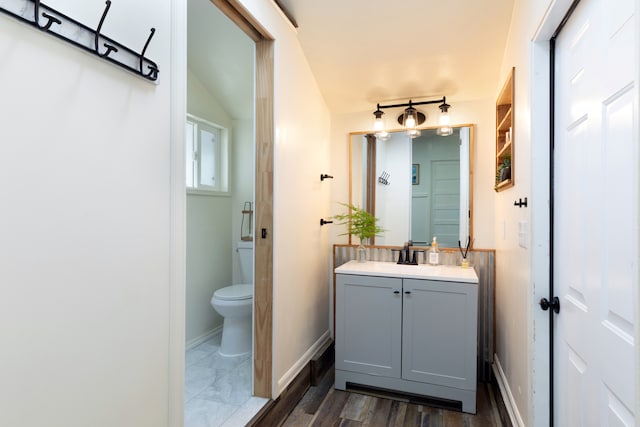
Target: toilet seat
234,292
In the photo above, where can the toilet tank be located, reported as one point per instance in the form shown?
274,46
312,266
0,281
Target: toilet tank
245,255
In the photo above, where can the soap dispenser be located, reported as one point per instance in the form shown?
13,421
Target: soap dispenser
434,253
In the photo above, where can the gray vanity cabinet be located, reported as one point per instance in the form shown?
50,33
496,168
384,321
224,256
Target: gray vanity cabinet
411,335
369,326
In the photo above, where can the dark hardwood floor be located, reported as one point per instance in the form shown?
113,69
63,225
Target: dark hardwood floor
322,405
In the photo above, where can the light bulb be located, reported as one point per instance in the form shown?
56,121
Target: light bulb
378,125
410,122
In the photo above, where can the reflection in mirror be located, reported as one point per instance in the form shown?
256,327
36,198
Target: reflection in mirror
418,188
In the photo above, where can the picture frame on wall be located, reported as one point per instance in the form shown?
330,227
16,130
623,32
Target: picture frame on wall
415,174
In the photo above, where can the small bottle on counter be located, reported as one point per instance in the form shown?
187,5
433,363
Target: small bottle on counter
434,253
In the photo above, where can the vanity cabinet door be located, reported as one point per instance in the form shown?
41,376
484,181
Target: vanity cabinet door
369,324
439,334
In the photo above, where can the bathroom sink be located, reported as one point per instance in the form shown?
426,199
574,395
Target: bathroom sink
449,273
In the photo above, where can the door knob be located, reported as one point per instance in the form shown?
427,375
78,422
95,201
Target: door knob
554,304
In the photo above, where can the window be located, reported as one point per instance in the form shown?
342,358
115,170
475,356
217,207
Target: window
207,156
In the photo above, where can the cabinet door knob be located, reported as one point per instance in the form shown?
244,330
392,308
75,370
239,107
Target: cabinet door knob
396,292
407,292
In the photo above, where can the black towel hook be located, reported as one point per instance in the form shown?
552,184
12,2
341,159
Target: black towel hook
110,48
153,73
51,19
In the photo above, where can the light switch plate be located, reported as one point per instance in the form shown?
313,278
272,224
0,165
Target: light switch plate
523,234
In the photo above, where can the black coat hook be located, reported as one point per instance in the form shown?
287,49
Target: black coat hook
88,38
110,48
325,176
384,178
153,73
520,203
36,17
323,222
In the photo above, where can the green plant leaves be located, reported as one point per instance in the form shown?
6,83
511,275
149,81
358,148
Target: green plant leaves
359,222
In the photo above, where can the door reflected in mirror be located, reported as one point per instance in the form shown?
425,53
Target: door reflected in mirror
418,188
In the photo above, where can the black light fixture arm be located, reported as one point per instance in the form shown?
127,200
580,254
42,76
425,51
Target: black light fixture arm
443,101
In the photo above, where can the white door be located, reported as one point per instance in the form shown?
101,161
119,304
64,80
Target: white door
596,215
445,209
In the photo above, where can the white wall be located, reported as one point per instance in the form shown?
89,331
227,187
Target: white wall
522,273
210,256
243,176
85,225
393,201
480,113
301,247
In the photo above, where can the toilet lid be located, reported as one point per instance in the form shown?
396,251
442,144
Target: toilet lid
234,292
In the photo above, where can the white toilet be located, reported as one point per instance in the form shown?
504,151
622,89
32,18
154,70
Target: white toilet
235,304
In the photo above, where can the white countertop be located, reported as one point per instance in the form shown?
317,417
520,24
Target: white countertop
449,273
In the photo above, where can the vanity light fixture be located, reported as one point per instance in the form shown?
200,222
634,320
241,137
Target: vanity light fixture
445,128
411,118
379,126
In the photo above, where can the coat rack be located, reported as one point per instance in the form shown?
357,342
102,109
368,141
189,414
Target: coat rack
49,20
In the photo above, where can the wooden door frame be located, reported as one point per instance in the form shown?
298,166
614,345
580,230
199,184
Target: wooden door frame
263,237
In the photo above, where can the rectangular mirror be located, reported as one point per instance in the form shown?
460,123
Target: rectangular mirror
418,188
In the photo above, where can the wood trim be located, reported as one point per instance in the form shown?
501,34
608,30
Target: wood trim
350,150
263,284
471,212
275,412
243,19
345,245
322,361
264,146
372,159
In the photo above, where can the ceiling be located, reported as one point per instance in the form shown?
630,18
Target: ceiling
364,52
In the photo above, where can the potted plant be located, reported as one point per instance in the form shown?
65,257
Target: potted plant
359,223
504,170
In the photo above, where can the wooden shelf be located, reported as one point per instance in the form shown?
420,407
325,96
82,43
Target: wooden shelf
505,149
505,140
504,184
505,124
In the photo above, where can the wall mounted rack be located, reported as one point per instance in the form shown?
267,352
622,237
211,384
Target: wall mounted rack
50,21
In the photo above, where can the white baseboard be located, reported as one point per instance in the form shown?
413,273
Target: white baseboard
507,396
202,338
289,376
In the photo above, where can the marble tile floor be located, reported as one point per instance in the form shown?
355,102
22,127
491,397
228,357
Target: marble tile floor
217,390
